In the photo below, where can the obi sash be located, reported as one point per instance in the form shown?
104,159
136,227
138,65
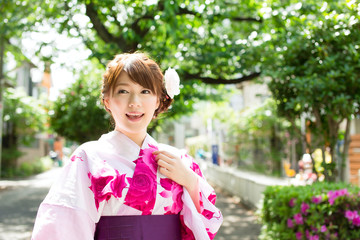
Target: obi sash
141,227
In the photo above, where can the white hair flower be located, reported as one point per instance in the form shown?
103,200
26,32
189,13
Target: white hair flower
172,82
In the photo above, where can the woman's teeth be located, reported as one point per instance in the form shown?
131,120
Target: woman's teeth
134,116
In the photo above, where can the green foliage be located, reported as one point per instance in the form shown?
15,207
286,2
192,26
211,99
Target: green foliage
27,169
328,211
17,17
258,139
20,124
78,113
313,60
19,116
8,158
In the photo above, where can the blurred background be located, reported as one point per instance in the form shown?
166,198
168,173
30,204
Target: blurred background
271,86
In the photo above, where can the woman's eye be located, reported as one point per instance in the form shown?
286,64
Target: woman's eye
121,91
146,91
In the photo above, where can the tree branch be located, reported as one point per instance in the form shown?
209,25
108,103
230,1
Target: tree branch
184,11
136,28
102,31
209,80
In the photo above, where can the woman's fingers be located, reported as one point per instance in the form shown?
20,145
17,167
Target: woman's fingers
164,164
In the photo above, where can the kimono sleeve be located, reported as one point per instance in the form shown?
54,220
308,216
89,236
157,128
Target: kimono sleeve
203,225
68,211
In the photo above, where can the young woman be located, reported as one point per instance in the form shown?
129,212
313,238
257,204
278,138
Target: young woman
126,185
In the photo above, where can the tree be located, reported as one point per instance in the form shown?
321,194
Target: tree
200,37
78,114
16,17
21,124
313,60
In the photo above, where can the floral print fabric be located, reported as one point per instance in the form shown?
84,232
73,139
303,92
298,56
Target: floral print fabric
112,176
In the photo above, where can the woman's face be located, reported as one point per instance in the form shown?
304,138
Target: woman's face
132,106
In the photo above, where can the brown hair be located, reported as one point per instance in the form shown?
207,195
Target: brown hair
142,70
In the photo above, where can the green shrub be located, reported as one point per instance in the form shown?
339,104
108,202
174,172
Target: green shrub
318,211
29,168
25,169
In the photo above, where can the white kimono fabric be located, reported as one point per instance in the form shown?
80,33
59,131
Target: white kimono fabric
114,176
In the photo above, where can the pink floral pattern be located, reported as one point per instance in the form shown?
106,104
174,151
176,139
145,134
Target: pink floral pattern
104,184
142,190
212,198
195,167
186,233
207,214
174,190
211,235
74,157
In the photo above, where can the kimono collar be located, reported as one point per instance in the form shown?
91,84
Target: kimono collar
124,146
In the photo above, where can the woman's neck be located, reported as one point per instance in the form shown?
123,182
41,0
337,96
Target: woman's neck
137,138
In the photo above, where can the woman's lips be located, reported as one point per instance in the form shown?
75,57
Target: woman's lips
134,117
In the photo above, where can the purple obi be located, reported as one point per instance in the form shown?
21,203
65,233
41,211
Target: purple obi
142,227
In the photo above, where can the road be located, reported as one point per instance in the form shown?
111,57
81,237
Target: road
19,203
21,199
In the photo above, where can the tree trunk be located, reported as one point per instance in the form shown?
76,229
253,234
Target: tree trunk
343,160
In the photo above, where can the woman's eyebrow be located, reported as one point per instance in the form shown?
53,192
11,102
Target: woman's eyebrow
122,84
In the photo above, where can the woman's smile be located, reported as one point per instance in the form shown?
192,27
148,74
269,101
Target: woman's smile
134,116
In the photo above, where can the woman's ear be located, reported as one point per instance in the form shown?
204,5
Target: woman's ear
107,104
158,103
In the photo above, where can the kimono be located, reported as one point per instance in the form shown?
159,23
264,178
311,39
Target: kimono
113,176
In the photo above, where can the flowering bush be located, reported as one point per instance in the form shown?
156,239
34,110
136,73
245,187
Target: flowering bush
318,211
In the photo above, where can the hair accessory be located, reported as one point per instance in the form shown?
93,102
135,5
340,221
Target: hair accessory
172,82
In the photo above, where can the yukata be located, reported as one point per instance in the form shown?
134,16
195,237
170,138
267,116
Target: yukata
113,176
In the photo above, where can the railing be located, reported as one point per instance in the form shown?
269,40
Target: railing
248,186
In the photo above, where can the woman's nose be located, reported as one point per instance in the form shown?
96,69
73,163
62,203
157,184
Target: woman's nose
134,101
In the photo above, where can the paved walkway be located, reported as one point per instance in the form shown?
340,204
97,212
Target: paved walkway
240,222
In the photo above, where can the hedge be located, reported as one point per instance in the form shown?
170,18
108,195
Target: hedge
317,211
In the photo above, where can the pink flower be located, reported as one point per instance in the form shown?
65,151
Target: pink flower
148,158
332,195
118,184
207,214
304,208
315,237
298,235
212,197
74,157
298,219
350,215
211,235
142,190
195,167
323,228
290,223
174,190
316,200
356,221
98,185
292,202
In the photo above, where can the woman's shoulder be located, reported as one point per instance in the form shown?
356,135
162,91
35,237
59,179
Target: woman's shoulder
88,148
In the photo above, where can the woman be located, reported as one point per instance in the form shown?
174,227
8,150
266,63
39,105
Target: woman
125,185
